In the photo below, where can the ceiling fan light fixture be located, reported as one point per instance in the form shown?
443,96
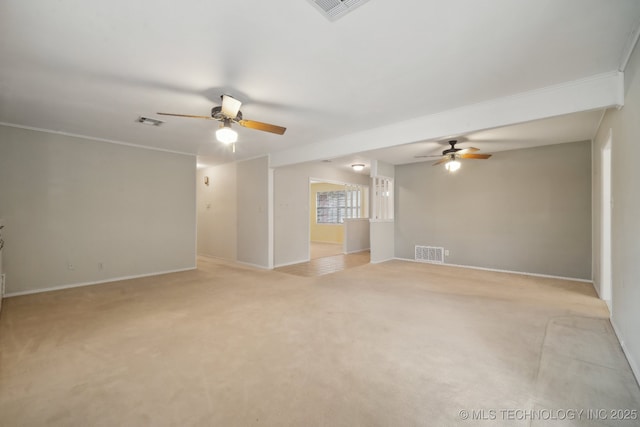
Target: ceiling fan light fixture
452,165
357,167
225,134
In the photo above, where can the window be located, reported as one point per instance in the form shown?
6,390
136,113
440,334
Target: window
332,207
382,199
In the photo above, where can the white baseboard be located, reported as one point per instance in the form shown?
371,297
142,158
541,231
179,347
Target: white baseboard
596,287
500,271
292,263
249,264
217,257
97,282
384,260
634,368
357,251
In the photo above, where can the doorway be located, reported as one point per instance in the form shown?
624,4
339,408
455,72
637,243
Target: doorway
333,206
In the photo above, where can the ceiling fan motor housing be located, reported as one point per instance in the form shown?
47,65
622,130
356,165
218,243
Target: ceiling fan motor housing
216,113
451,150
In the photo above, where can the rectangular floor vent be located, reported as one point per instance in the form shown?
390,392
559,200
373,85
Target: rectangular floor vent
430,254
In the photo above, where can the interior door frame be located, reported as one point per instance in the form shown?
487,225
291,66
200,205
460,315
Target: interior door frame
606,205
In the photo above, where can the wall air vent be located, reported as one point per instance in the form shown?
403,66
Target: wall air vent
149,121
334,9
430,254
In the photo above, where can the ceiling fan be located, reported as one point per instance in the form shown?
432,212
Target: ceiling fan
451,156
229,113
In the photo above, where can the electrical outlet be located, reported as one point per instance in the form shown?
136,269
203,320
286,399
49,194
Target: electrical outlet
100,266
446,252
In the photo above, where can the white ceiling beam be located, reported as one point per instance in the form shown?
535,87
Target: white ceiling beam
593,93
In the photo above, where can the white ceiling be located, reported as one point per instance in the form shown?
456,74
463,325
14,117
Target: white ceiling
561,129
569,128
92,67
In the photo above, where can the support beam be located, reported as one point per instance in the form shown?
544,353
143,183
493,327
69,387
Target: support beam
593,93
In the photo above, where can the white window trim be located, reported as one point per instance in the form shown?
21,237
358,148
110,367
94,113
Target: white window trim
382,209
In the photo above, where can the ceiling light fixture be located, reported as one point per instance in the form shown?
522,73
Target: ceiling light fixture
225,134
452,165
358,167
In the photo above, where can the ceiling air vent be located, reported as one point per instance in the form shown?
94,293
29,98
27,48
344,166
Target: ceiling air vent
149,121
334,9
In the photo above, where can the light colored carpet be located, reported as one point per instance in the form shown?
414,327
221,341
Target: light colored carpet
393,344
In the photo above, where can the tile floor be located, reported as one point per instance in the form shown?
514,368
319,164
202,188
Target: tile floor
326,265
322,249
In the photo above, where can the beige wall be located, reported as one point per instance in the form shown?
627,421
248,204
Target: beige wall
217,211
522,210
253,215
233,212
329,233
382,241
291,206
357,235
80,211
625,234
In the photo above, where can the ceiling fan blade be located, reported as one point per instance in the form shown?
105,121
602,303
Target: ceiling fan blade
475,156
266,127
441,161
468,150
230,106
187,115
